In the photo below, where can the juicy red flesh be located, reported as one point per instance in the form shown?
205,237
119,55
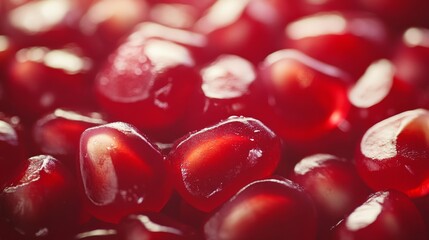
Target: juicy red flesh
154,76
306,98
265,209
121,172
58,133
12,147
228,88
399,14
109,21
333,184
233,28
385,215
152,115
41,199
155,226
210,165
410,58
339,39
393,154
373,101
41,79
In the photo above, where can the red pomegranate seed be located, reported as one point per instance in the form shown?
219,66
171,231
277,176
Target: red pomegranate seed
148,84
194,42
411,56
377,95
155,226
58,133
111,20
12,147
393,154
46,23
265,209
40,80
232,27
333,184
174,15
385,215
227,89
95,230
399,14
307,98
210,165
7,50
121,172
312,7
41,199
334,37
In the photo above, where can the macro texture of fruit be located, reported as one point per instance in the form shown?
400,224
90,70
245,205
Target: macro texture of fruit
214,119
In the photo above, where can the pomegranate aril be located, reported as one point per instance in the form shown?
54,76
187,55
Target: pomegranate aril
12,147
156,227
307,98
174,15
265,209
312,7
399,14
109,21
58,133
228,89
210,165
411,56
333,184
48,23
41,199
340,39
95,230
121,172
385,215
232,28
194,42
41,79
393,154
377,95
154,76
200,5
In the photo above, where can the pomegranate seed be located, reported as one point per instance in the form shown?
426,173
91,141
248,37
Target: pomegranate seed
265,209
411,56
35,23
232,28
227,89
334,37
399,13
385,215
194,42
121,172
48,79
373,101
155,226
58,133
41,199
175,15
155,76
111,20
96,230
12,148
210,165
393,153
307,98
333,184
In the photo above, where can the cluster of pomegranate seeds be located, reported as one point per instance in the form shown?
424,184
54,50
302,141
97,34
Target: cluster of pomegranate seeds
214,119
